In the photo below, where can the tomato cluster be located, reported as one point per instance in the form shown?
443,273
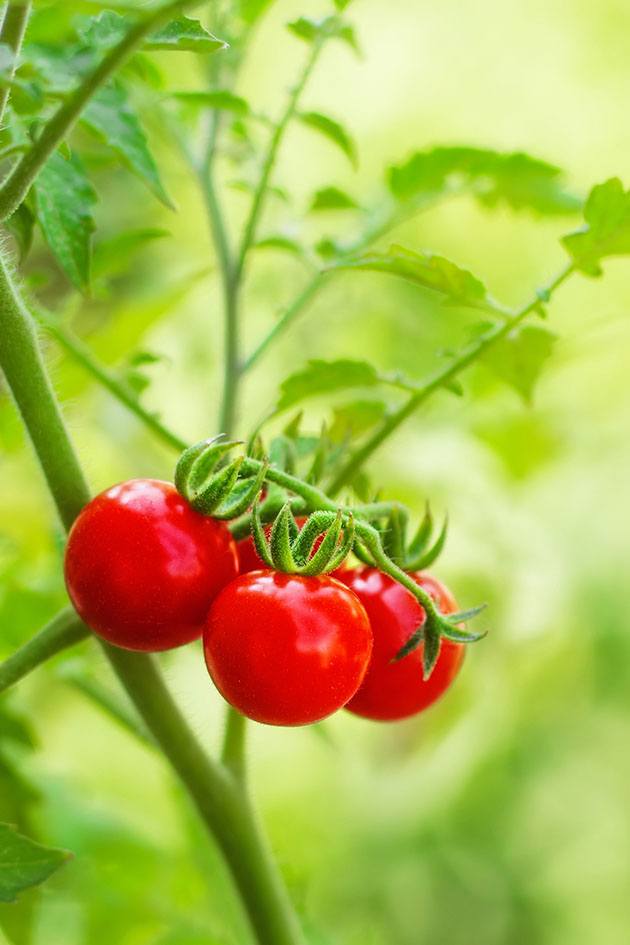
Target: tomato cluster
147,572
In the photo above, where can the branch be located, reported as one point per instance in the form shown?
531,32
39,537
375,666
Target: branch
437,381
17,184
274,145
82,354
11,35
63,631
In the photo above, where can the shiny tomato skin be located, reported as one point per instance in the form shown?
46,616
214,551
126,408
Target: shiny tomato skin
392,691
285,649
142,568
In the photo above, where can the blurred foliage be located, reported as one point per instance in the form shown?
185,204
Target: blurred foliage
502,815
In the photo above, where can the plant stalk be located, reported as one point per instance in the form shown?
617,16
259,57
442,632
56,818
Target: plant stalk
220,800
11,35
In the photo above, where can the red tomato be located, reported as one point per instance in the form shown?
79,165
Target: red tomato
285,649
248,557
142,568
396,690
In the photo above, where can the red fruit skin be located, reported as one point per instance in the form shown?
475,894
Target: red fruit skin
285,649
392,691
142,568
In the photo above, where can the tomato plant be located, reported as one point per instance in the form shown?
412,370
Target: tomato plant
285,649
142,568
150,563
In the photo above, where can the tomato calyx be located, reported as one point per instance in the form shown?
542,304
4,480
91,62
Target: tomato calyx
214,486
295,550
430,633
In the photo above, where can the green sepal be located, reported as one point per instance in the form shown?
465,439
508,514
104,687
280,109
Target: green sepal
394,536
421,539
424,560
283,534
208,498
431,648
260,539
242,495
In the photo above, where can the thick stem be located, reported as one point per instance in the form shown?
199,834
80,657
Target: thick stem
21,361
436,381
233,752
63,631
221,802
20,178
11,35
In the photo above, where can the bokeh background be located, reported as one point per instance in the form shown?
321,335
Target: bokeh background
502,815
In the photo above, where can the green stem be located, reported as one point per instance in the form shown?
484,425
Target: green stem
288,317
83,356
22,363
221,802
260,194
11,35
436,381
63,631
17,184
233,752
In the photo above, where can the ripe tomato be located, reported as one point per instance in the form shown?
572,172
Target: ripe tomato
248,557
285,649
142,568
396,690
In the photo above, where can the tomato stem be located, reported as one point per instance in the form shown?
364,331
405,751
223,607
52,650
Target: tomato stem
63,631
220,799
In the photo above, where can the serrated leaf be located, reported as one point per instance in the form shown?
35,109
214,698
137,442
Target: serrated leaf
332,130
332,198
519,358
64,197
110,117
310,29
607,230
182,34
185,35
323,377
218,98
494,177
457,285
283,243
24,863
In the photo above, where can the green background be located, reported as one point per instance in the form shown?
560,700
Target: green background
501,816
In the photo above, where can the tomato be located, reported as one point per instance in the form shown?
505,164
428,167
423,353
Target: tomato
396,690
142,568
285,649
248,557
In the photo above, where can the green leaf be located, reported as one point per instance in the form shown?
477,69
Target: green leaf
21,225
458,286
184,34
113,255
494,178
64,198
283,243
24,863
331,198
217,98
520,358
607,230
110,117
324,377
332,130
310,29
355,418
252,10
